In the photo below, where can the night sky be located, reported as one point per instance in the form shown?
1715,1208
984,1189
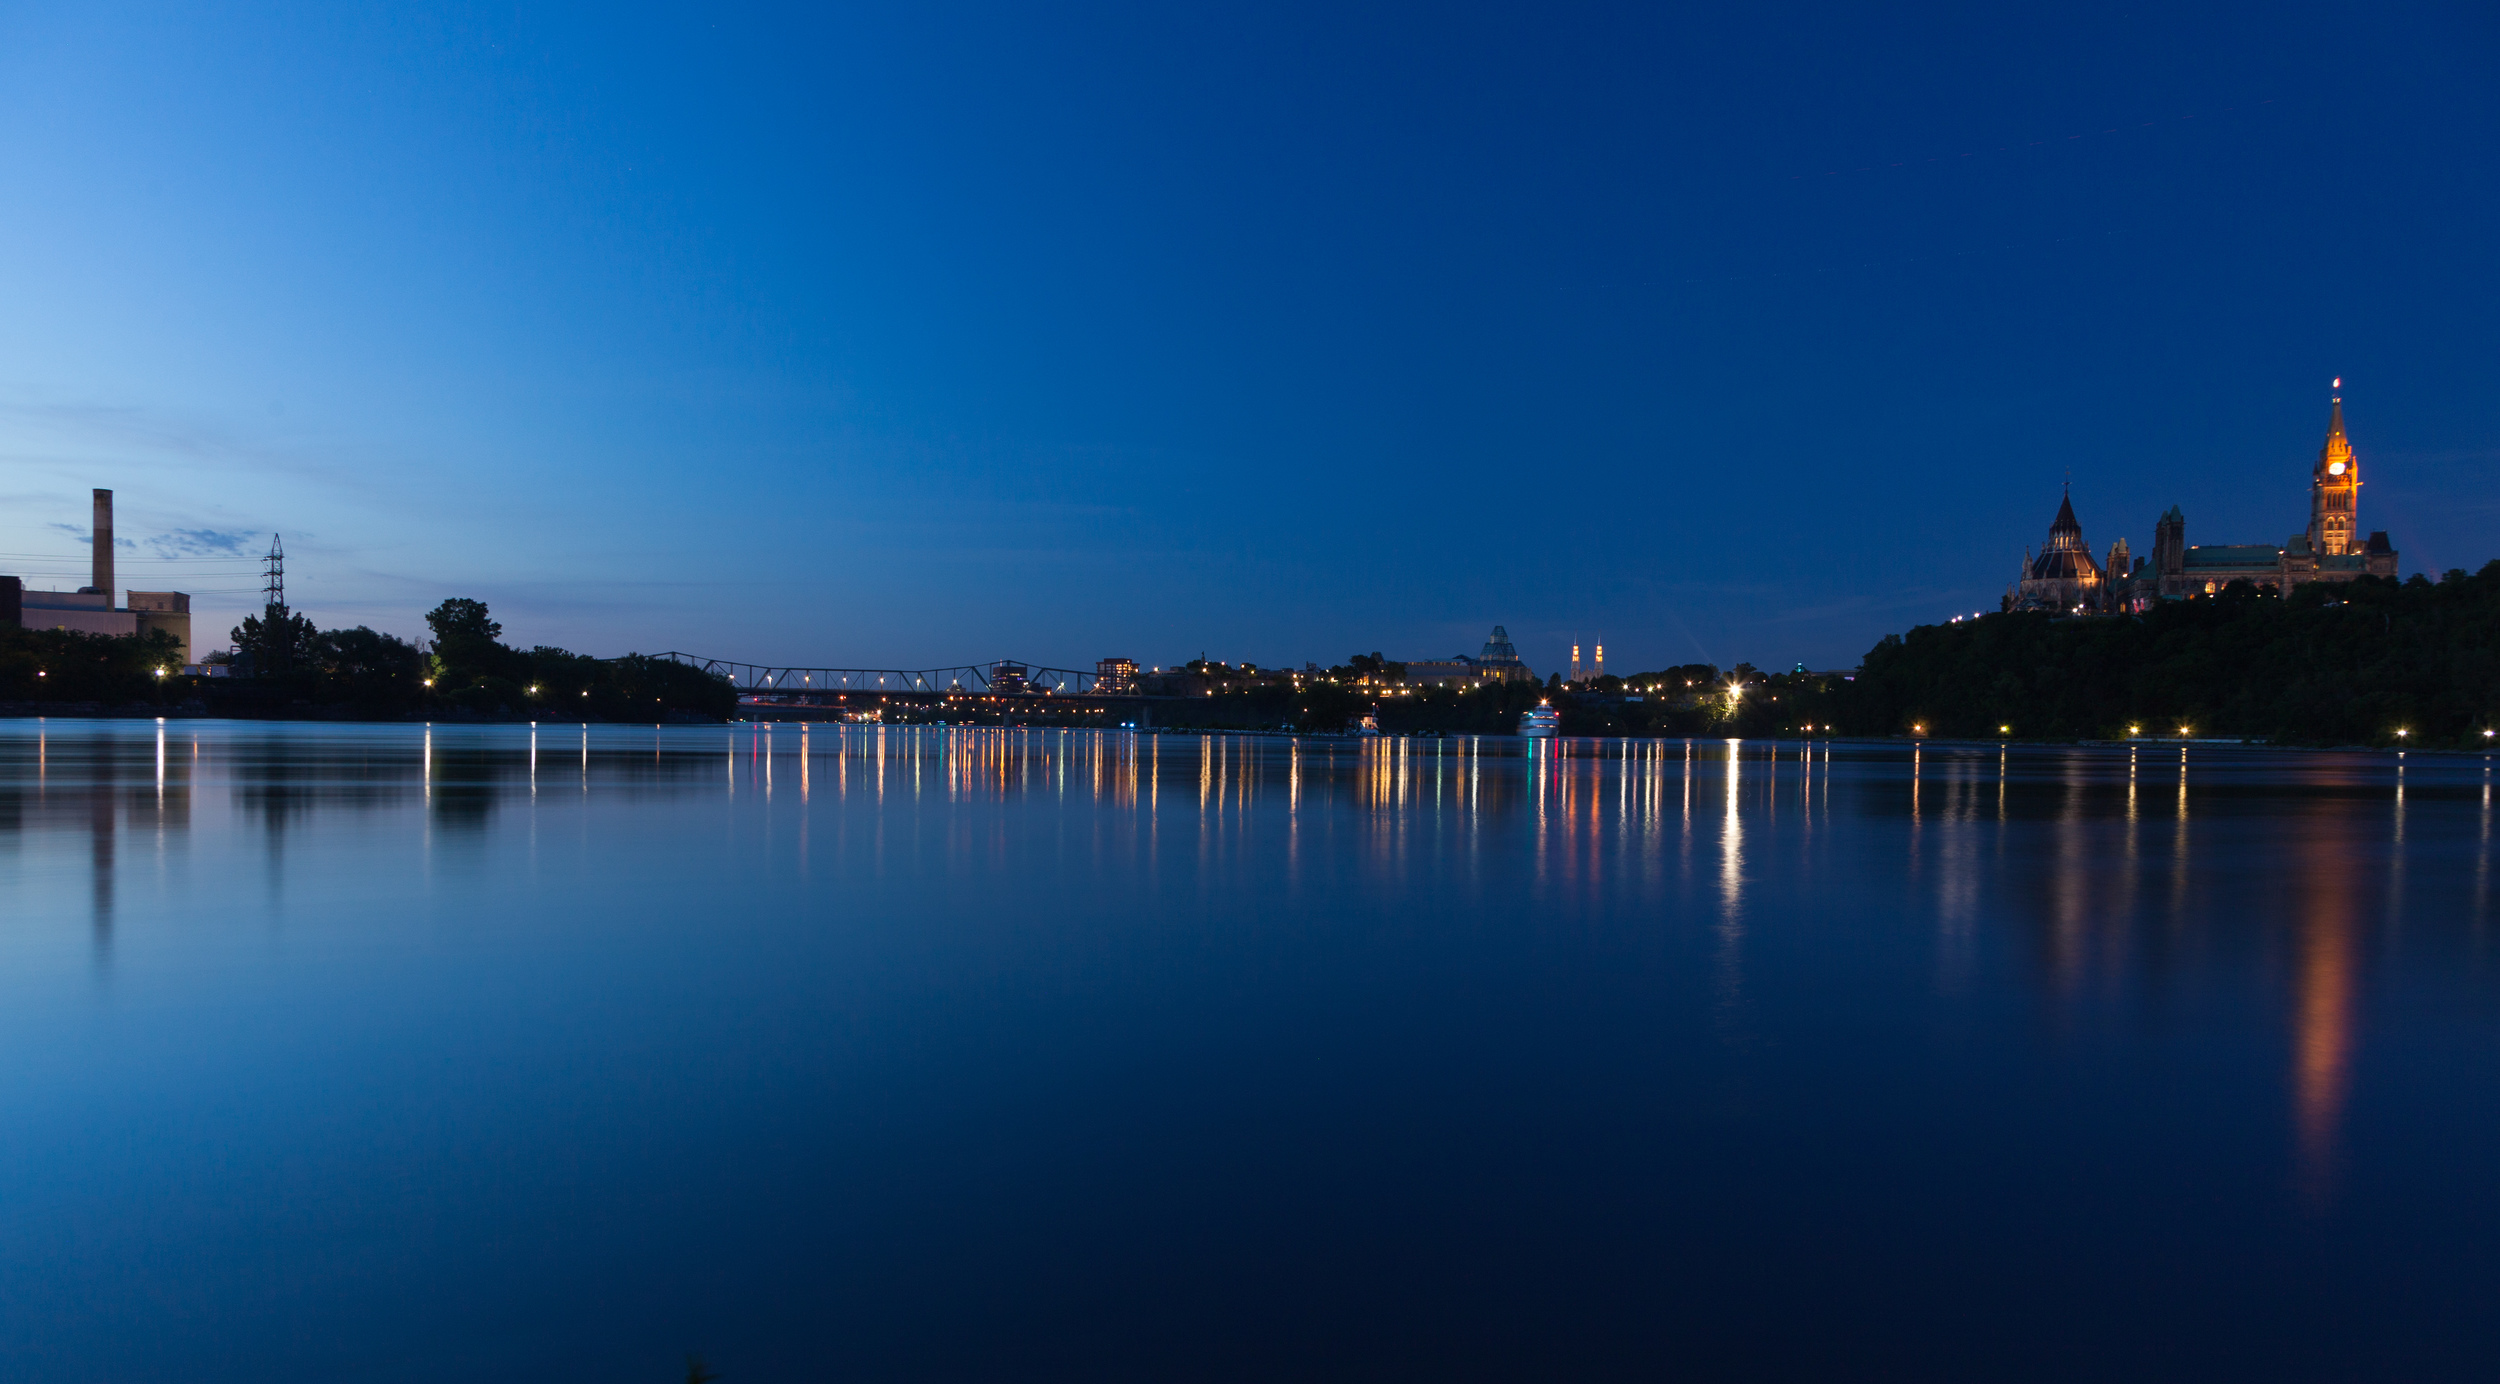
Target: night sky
927,334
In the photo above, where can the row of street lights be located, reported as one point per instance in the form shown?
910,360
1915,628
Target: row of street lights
1920,728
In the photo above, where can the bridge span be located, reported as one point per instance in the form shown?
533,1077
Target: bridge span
1018,693
998,678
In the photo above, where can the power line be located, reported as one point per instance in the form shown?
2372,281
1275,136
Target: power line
63,570
151,572
118,558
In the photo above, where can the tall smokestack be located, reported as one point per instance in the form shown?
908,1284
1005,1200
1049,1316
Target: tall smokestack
103,556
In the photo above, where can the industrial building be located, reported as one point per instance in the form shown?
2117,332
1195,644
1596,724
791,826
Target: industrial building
90,609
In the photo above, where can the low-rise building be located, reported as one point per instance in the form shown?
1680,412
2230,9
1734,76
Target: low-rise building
92,612
86,611
90,609
1497,662
169,611
1115,677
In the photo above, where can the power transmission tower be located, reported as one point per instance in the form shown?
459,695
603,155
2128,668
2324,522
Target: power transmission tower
273,581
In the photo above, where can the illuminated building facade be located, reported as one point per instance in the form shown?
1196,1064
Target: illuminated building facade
1591,671
2334,489
1499,662
2064,578
1115,677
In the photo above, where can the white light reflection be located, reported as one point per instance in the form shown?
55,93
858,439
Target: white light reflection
2482,858
2179,850
1729,962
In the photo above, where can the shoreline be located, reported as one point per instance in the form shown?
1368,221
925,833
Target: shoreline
86,711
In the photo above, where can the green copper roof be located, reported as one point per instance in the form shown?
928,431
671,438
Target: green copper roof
2235,555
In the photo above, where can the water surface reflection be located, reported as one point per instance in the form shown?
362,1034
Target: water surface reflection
894,1015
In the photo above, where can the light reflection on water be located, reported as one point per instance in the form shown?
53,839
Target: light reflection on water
1671,951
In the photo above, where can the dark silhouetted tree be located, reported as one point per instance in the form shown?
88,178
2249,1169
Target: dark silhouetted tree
465,639
276,641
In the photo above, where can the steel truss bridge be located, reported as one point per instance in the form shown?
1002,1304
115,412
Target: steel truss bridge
1001,678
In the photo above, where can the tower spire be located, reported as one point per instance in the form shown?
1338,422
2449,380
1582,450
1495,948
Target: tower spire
2065,531
2335,487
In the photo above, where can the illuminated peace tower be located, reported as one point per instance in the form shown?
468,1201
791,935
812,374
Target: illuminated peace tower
2336,488
2065,580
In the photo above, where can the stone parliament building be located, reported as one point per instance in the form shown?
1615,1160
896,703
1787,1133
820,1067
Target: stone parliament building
2063,576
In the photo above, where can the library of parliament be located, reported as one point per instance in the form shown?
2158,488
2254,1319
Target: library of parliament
2063,576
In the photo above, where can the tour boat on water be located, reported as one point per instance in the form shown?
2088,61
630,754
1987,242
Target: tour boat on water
1540,723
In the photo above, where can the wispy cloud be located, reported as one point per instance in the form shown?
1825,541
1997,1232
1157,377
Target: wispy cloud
89,539
201,543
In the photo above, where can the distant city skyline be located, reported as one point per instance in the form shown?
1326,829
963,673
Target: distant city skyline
901,338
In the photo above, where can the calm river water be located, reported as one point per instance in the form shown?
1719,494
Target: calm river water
388,1053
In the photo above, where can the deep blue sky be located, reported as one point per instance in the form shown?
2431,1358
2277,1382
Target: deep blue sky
925,334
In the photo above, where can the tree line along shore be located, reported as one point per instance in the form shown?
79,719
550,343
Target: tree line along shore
283,666
2371,662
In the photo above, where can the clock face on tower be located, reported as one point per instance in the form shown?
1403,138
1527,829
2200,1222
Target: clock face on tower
2335,468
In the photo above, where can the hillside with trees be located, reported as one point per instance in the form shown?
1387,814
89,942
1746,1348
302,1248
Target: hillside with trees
2328,665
